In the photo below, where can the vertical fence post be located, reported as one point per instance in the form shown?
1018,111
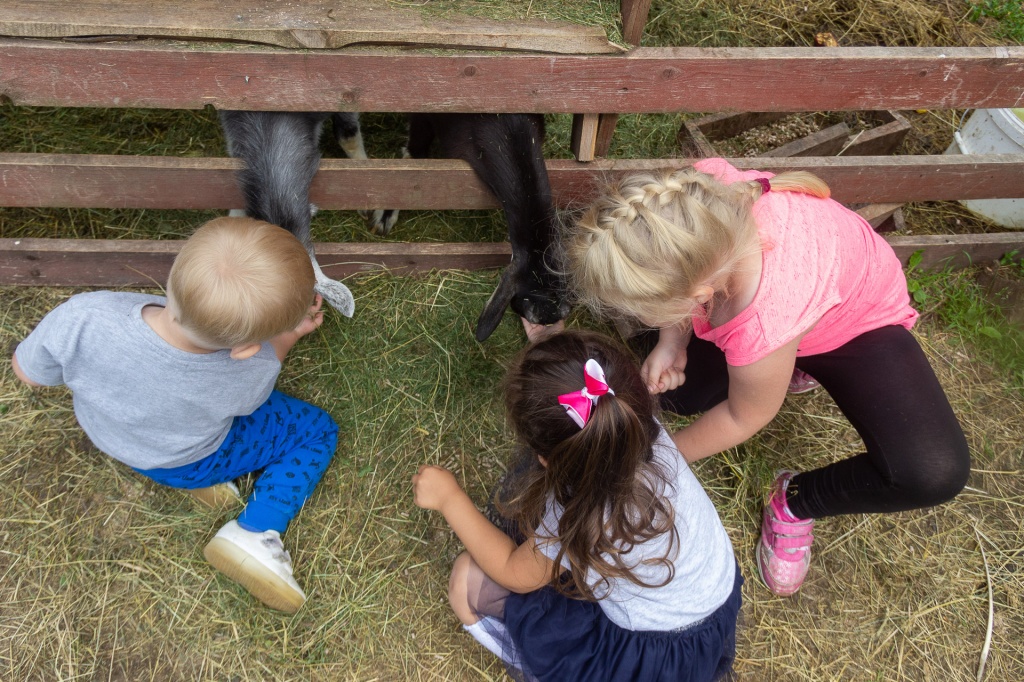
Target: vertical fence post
584,136
634,18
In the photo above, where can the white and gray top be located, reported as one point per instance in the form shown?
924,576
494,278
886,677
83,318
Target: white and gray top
705,566
138,398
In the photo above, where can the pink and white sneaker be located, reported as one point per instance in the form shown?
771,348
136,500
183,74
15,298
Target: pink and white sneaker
802,382
784,550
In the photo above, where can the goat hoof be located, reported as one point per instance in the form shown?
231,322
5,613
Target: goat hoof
381,221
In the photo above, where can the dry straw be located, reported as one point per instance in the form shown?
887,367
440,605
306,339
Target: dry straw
103,577
101,574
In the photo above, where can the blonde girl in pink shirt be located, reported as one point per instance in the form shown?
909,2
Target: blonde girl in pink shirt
756,283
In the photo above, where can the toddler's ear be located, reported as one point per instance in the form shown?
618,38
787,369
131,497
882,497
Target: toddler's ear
245,352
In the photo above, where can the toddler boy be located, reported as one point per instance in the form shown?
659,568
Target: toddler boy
182,389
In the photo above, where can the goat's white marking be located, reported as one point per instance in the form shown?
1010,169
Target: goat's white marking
333,291
353,147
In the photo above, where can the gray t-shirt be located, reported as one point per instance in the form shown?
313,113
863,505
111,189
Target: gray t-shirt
705,567
138,398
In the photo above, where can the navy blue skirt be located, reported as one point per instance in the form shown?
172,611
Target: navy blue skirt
559,639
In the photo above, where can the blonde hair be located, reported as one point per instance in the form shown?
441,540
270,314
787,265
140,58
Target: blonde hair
238,281
650,239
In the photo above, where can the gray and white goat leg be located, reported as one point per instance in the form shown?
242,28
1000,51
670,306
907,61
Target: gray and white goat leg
281,155
350,139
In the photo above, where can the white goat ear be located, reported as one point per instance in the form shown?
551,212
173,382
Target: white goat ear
334,292
337,295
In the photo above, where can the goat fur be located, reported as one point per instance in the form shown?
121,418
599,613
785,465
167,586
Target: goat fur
505,151
281,153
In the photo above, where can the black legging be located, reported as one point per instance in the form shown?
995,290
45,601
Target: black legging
916,455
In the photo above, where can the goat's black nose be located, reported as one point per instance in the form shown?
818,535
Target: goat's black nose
541,307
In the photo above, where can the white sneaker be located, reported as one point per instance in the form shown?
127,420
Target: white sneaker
259,563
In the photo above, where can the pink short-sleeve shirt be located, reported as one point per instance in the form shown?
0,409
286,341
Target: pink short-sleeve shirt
823,268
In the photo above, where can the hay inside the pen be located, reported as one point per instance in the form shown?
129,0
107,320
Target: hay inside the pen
102,573
105,573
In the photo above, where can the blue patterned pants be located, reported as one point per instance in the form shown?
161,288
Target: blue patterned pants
290,440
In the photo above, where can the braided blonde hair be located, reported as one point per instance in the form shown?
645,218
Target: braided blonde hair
650,239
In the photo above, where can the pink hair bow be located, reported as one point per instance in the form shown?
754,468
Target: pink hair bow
579,403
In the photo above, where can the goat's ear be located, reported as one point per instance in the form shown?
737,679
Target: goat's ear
490,318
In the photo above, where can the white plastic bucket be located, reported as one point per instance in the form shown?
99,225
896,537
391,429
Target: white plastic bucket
993,131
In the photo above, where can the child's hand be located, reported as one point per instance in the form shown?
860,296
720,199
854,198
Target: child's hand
432,486
663,370
539,332
313,319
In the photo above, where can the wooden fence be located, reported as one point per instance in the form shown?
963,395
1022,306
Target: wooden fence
645,80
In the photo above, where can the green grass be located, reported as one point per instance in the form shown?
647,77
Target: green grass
105,578
962,305
1008,15
598,13
101,571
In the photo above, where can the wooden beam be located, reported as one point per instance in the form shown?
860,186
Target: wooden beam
584,136
110,263
876,214
882,139
322,24
115,263
45,180
45,73
634,18
825,142
957,251
605,132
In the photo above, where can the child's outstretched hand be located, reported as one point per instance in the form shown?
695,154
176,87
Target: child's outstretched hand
313,319
432,486
284,341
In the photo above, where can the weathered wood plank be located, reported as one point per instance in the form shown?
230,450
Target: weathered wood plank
650,80
110,263
584,136
209,183
722,126
882,139
107,263
306,24
825,142
876,214
605,132
957,251
634,19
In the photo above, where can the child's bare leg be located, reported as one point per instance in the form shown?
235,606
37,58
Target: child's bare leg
458,589
479,603
472,594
